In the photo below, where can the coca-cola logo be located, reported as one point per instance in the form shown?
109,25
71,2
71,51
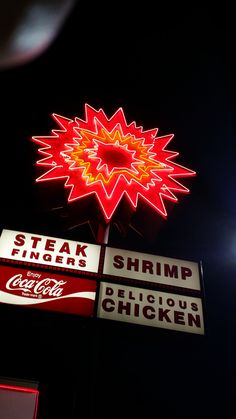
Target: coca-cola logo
45,287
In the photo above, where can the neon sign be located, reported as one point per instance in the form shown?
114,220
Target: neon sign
113,160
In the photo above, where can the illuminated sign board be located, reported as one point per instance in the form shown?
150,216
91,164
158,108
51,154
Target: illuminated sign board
35,248
112,160
47,291
150,308
151,268
26,286
18,400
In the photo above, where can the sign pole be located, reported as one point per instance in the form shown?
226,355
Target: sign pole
103,233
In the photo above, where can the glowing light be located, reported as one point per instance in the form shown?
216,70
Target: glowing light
16,388
111,159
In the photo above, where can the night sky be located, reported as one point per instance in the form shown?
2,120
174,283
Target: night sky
169,67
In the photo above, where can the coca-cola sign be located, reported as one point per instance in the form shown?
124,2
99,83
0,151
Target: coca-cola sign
48,291
47,286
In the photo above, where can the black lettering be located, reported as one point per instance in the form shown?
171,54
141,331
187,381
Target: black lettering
150,298
196,321
136,310
194,306
147,266
147,315
182,304
179,317
121,293
158,268
124,307
185,272
108,305
132,263
170,302
109,291
131,297
163,315
171,271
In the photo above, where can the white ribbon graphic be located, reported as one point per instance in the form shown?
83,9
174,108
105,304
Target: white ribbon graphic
17,299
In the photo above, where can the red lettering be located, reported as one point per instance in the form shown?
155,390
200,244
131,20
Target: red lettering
147,266
47,257
82,263
15,251
118,262
132,263
35,241
59,259
50,244
171,271
70,261
19,240
33,255
65,248
80,249
185,272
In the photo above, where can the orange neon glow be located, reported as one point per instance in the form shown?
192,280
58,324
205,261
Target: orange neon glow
111,159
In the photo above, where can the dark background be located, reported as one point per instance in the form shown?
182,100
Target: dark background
169,66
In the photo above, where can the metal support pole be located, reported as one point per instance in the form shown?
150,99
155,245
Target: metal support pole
103,233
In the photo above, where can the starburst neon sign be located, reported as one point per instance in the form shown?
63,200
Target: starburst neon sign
113,160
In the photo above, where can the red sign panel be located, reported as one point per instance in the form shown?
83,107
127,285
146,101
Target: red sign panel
48,291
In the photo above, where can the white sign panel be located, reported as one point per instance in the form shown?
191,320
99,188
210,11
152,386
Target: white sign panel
152,268
150,308
34,248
